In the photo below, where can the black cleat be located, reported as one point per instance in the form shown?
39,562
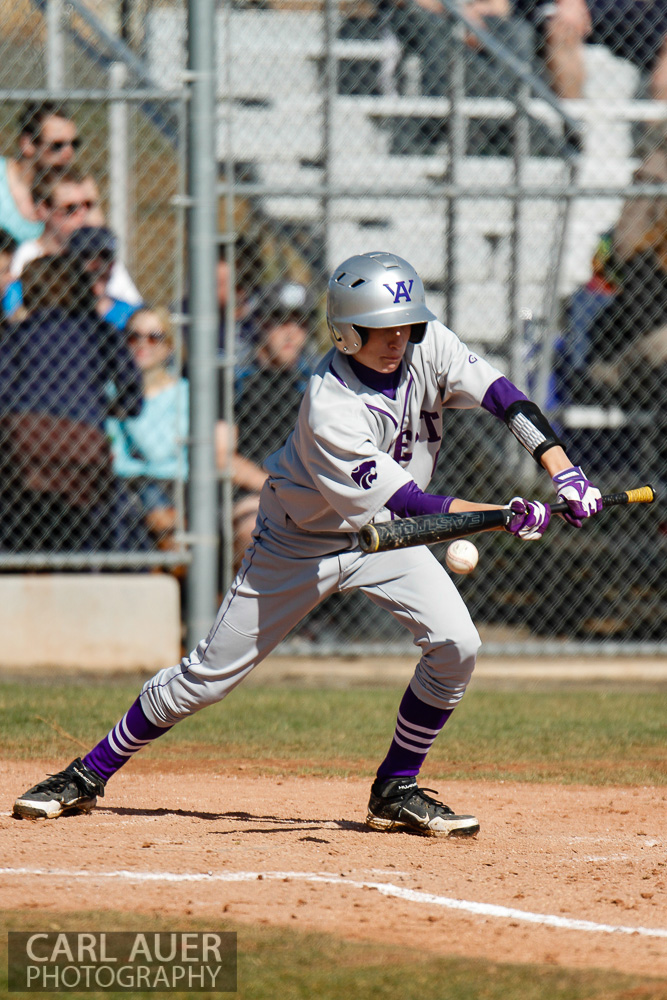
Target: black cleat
73,790
398,803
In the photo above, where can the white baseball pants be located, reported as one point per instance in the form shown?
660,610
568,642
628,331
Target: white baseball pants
287,572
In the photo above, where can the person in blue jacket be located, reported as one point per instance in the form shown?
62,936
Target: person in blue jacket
58,491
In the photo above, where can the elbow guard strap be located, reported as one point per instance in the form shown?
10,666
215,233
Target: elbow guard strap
531,428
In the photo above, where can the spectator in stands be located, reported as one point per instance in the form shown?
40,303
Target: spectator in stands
249,276
91,195
626,367
268,395
425,28
121,288
57,489
9,292
624,334
62,207
628,336
572,349
150,449
95,247
643,219
632,29
67,200
47,140
484,13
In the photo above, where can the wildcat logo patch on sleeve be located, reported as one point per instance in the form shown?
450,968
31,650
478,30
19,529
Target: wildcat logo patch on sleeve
365,474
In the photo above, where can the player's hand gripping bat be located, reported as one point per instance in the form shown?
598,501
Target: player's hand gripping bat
431,528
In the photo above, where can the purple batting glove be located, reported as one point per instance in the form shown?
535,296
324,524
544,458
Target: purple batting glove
530,519
581,496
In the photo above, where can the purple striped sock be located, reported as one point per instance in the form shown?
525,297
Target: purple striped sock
417,726
132,733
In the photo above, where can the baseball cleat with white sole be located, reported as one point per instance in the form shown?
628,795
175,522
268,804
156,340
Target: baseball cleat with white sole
398,803
73,790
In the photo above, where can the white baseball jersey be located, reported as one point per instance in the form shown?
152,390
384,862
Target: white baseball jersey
351,450
353,447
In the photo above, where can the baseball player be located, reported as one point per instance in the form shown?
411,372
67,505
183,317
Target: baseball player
363,449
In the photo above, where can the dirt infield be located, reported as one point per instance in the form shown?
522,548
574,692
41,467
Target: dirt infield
568,875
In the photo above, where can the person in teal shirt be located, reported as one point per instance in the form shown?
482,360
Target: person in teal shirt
150,449
8,287
48,139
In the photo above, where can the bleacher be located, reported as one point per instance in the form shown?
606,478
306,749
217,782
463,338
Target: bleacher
326,157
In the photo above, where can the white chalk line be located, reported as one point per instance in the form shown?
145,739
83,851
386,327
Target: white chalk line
384,888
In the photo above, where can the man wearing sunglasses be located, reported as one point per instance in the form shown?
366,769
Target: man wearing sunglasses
67,200
47,140
61,206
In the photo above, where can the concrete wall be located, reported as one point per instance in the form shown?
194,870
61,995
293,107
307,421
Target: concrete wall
105,621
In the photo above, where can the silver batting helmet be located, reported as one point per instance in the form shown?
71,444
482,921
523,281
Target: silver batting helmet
371,291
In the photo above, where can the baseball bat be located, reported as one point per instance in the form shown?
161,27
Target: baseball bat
431,528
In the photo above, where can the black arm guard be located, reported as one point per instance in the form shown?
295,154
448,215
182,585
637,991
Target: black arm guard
531,428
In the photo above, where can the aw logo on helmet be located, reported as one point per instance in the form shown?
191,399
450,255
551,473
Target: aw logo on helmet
401,292
365,474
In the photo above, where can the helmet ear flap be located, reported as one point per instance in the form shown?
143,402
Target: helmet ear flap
363,333
417,332
346,337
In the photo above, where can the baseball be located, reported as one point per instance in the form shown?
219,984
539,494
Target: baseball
462,556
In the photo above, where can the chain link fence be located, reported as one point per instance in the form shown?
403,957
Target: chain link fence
519,166
92,262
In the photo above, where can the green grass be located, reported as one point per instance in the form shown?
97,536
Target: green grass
572,735
595,736
275,962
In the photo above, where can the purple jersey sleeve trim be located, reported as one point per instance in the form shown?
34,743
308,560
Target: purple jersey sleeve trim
385,413
410,501
501,394
336,375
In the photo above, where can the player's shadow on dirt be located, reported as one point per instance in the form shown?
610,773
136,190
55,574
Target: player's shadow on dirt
130,811
297,824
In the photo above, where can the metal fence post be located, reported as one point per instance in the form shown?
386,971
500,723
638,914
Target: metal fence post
458,127
202,243
330,91
55,45
119,161
227,239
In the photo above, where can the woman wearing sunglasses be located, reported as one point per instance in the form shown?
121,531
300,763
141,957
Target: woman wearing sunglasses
150,449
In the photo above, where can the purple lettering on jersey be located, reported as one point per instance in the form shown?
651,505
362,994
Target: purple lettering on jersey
401,292
402,449
365,474
430,417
